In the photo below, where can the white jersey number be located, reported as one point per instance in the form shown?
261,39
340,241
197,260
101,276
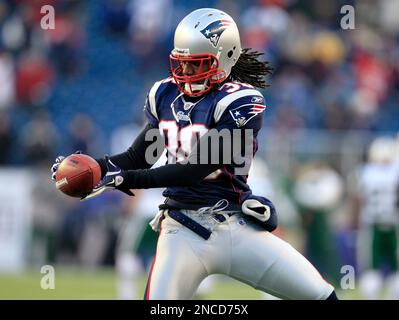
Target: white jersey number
179,141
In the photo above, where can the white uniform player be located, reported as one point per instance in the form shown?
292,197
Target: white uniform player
377,189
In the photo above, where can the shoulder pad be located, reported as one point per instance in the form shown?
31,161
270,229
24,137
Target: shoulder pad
154,93
251,94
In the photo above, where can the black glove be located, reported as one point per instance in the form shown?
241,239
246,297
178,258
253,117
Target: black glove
112,180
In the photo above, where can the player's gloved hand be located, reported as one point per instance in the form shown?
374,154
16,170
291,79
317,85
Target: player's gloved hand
112,180
262,210
57,163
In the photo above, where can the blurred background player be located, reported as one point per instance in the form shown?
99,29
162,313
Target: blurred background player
318,191
136,244
377,209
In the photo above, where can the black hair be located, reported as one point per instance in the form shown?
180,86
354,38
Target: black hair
249,69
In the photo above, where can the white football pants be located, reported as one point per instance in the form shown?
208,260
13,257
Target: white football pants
237,248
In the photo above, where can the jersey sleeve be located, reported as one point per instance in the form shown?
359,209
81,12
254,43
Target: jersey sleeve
240,110
151,105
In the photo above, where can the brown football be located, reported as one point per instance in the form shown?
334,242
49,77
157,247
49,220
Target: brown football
77,175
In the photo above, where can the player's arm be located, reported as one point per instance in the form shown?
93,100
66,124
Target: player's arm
188,173
134,157
178,174
243,114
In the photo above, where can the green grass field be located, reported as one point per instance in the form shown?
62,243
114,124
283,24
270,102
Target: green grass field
101,284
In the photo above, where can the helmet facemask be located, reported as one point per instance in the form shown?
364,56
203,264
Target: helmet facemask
205,76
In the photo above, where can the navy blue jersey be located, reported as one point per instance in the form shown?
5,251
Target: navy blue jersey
232,106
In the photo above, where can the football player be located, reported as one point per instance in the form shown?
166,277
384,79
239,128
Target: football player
375,198
210,222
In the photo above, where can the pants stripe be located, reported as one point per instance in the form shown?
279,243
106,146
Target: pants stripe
147,288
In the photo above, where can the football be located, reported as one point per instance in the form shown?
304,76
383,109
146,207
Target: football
77,175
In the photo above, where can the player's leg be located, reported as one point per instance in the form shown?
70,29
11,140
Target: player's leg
176,271
391,259
270,264
127,262
369,257
393,286
370,284
128,268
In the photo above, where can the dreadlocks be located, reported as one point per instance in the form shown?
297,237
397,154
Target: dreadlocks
249,69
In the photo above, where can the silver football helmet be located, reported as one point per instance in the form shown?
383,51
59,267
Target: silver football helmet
382,150
209,40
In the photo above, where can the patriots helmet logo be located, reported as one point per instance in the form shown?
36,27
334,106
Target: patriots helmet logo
246,112
214,30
